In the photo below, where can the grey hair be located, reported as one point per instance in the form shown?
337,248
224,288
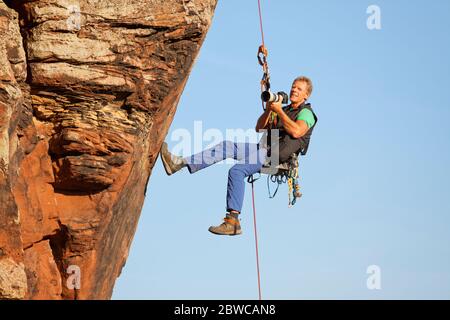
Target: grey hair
308,82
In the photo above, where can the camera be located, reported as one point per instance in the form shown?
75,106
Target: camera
268,96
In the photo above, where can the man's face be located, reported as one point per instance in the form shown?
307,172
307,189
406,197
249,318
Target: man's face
299,92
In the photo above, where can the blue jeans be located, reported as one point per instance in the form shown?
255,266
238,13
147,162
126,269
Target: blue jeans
251,159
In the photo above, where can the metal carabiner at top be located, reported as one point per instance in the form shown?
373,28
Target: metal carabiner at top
262,59
262,55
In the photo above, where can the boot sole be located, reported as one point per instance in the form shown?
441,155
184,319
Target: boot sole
226,234
164,161
166,166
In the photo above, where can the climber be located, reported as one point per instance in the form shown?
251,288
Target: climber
295,123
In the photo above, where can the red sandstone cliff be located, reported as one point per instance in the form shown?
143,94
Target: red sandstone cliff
88,89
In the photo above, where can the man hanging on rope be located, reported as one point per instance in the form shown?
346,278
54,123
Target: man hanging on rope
295,122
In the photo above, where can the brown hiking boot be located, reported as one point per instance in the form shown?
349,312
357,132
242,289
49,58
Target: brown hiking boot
230,227
171,162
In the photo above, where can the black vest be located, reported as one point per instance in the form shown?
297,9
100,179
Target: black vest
289,145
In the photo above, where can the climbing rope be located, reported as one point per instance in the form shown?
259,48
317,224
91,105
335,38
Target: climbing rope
251,180
292,175
261,22
265,85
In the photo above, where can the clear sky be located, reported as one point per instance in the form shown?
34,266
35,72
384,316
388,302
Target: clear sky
375,182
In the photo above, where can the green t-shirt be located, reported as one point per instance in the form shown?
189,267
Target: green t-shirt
305,115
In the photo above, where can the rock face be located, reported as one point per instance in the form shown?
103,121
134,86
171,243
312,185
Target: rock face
88,90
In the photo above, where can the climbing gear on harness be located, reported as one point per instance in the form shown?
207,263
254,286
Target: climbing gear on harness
294,187
285,173
230,226
171,162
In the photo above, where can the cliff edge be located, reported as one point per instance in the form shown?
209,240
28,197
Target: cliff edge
88,90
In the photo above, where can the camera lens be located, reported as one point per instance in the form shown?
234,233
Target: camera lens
268,96
265,96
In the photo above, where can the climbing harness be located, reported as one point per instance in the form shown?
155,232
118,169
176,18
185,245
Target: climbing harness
287,173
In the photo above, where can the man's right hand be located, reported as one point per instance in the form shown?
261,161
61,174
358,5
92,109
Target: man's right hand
264,118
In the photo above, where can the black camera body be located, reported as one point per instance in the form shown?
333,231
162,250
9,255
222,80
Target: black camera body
268,96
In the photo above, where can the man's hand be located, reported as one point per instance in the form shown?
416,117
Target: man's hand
275,107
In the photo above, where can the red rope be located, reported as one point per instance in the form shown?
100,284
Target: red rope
253,188
261,21
256,241
262,35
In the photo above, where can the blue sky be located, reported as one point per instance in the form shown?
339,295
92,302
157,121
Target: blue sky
375,182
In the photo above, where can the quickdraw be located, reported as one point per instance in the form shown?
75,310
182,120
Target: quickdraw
262,59
265,81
